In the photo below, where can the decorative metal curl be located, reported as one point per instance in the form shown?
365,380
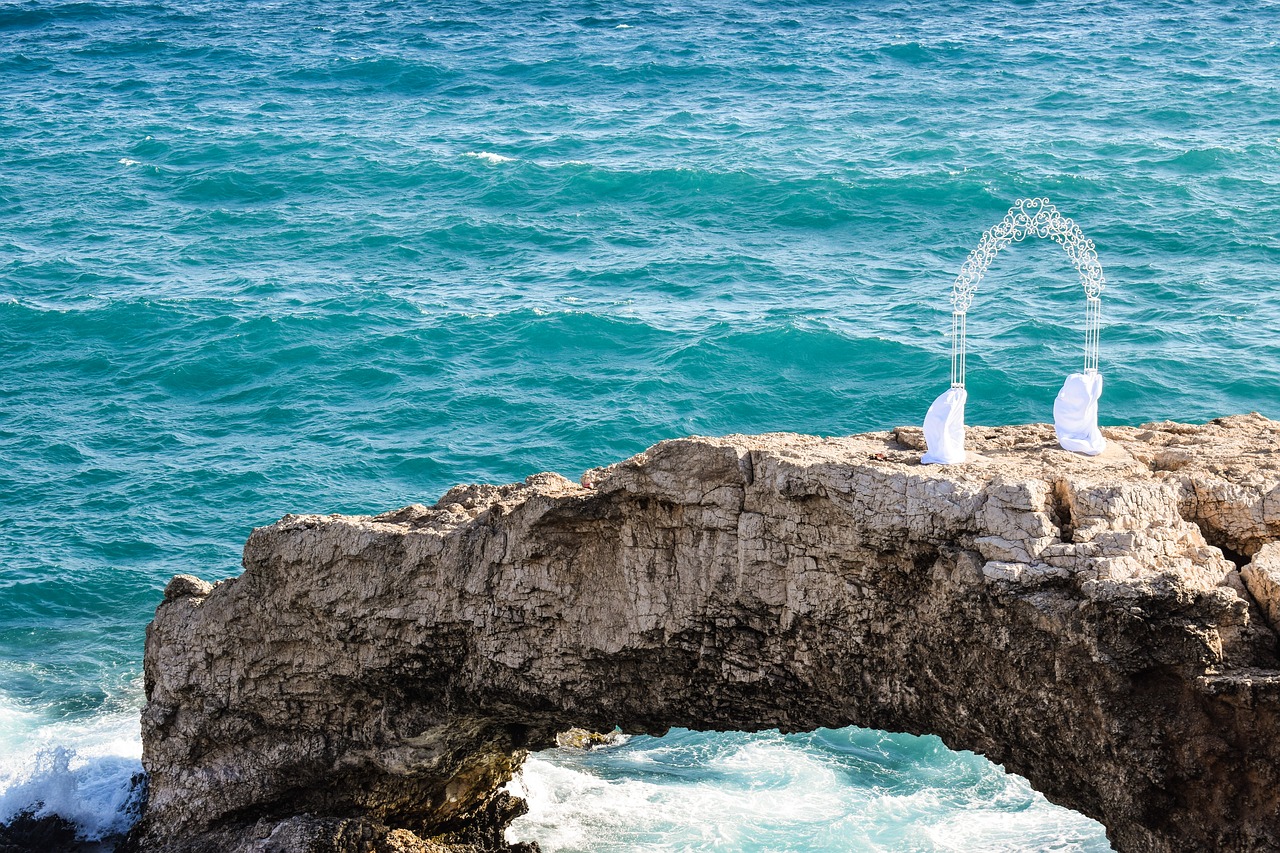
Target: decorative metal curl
1029,217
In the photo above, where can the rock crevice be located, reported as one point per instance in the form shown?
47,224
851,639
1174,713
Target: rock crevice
370,683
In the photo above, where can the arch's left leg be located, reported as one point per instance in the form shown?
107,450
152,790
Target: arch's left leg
944,428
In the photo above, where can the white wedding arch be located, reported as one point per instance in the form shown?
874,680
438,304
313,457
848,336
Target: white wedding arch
1029,217
1076,408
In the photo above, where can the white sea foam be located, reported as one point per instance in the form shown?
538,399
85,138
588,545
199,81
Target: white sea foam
1042,828
767,792
722,804
127,162
489,157
14,723
82,771
623,27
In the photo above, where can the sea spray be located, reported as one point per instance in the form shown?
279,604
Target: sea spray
88,773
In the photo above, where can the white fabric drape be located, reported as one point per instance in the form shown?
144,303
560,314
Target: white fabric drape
1075,414
944,428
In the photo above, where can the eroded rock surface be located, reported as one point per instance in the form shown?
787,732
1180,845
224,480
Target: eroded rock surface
369,683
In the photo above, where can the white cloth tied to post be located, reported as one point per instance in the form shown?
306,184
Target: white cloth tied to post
944,428
1075,421
1075,414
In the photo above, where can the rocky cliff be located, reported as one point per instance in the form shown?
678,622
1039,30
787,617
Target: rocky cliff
1103,626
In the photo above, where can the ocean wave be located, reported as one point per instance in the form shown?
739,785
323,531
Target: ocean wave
32,15
388,76
489,157
87,771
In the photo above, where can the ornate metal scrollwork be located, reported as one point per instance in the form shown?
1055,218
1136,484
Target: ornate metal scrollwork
1029,217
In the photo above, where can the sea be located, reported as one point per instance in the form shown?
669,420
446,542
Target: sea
273,256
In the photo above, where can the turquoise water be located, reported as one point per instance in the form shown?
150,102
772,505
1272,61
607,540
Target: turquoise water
259,258
848,789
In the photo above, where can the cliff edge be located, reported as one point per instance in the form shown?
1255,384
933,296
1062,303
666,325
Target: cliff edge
1104,626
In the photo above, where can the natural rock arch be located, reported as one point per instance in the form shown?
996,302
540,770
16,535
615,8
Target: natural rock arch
1029,217
378,678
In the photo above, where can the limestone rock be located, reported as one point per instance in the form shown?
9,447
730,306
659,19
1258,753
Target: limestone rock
1078,619
187,586
576,738
1262,577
